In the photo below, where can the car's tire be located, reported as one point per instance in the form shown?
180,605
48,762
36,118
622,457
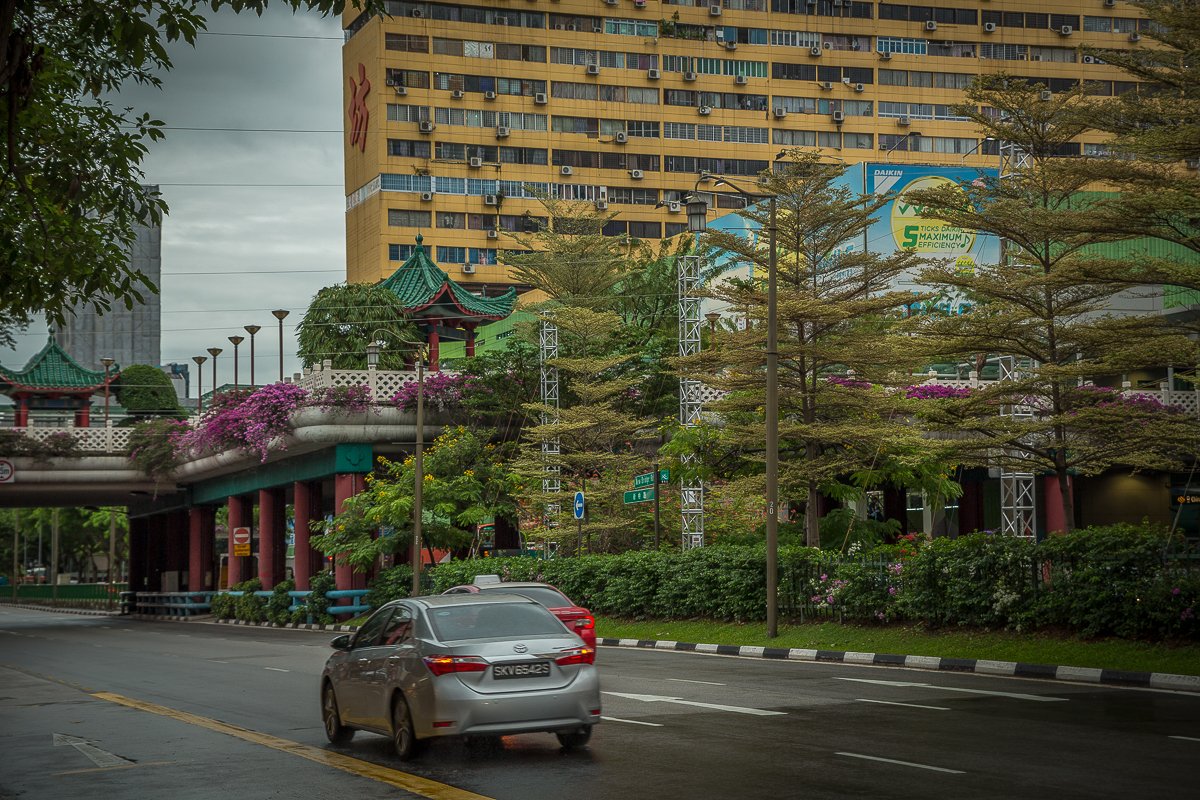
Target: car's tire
335,731
576,738
404,737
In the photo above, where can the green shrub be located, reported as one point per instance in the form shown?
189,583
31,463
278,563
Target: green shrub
222,606
389,585
250,607
316,605
147,391
279,602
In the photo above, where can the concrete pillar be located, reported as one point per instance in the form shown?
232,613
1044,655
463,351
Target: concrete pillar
345,486
307,505
21,414
272,545
175,550
200,548
470,345
240,515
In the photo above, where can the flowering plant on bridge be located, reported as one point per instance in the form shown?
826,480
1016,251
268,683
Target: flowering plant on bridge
354,399
933,391
443,390
155,446
247,421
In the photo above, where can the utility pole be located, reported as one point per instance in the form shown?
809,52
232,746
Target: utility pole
16,572
657,529
54,558
112,556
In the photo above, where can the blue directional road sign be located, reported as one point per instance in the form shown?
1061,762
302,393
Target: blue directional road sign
579,505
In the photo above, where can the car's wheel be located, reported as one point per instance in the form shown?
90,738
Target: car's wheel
404,738
335,731
575,738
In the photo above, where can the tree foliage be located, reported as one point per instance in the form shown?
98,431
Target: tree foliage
146,391
342,320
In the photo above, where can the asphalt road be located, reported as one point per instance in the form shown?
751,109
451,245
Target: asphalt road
115,709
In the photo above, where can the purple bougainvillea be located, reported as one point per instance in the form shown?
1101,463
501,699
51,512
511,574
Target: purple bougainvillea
251,424
353,399
847,382
442,391
932,391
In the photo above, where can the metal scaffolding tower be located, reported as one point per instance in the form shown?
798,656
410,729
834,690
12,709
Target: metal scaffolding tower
1018,498
691,400
552,477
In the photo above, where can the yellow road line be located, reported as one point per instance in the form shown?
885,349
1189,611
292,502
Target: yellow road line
392,777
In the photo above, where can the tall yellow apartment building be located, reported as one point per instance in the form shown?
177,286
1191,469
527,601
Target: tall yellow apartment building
456,110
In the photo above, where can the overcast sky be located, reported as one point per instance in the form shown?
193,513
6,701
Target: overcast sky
252,239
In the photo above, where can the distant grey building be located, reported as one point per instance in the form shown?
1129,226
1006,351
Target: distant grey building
129,336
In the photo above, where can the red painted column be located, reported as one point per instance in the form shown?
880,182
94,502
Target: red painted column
1056,522
272,546
21,416
346,486
240,515
433,351
83,417
470,341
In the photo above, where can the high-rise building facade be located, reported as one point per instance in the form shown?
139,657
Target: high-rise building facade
459,113
127,335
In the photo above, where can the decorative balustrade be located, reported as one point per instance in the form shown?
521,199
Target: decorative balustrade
90,441
384,384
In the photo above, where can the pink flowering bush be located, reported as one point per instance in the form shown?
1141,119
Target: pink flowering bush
352,399
442,391
251,424
932,391
847,382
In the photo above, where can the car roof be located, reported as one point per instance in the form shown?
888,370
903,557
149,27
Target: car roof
499,587
443,600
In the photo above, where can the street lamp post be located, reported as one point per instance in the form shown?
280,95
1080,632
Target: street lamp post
887,156
200,382
252,329
712,318
235,341
107,362
214,352
280,314
697,211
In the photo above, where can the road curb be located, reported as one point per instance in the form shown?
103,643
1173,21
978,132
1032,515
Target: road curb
93,612
303,626
1011,669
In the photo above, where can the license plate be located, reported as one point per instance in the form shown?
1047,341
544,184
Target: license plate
525,669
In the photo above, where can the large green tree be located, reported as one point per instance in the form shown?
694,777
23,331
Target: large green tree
71,180
342,320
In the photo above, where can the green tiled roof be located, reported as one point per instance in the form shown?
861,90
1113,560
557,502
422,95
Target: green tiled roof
52,369
421,284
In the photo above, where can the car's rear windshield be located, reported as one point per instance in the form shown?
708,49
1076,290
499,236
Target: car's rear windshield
550,598
493,620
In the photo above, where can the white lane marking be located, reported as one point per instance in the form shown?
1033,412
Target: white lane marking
277,669
706,683
213,660
101,758
653,698
1185,738
903,763
906,705
1037,698
633,722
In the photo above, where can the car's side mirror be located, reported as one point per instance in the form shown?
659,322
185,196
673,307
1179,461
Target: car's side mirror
341,642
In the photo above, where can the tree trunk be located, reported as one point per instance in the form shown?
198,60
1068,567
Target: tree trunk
812,516
1064,494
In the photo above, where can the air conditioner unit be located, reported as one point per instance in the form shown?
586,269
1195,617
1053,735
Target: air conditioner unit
689,76
858,87
653,74
989,27
740,80
474,162
846,81
780,113
674,206
1066,30
417,13
1035,57
489,95
714,11
886,55
930,25
731,45
1135,37
903,121
1047,95
426,197
560,27
401,91
602,205
1109,3
1192,164
636,174
540,98
491,200
838,3
827,45
815,51
639,3
826,84
458,94
839,117
571,26
566,170
493,233
610,2
597,28
704,111
390,81
468,269
1089,59
621,137
593,69
425,126
502,132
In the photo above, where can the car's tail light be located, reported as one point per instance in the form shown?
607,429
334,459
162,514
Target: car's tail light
585,623
443,665
576,655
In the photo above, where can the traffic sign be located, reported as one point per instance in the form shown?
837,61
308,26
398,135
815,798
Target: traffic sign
8,472
639,495
579,505
639,481
241,541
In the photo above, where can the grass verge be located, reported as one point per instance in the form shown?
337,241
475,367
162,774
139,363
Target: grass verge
1031,648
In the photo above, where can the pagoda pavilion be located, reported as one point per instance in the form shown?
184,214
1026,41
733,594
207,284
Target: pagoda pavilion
443,309
53,381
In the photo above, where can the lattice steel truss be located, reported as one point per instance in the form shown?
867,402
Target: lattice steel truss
691,401
552,476
1018,498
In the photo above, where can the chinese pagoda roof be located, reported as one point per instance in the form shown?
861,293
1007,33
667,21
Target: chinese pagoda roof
52,370
425,289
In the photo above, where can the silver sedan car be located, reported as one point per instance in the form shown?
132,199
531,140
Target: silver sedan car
453,665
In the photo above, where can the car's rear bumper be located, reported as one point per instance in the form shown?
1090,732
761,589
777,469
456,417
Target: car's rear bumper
472,713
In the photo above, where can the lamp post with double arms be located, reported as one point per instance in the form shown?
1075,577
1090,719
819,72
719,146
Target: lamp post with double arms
214,352
200,382
280,314
697,211
252,329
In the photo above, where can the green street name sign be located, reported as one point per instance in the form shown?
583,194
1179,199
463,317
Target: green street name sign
639,481
639,495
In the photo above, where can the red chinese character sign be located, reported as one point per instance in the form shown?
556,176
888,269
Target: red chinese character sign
357,111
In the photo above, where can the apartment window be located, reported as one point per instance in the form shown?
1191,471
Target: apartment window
794,138
400,252
630,27
1061,55
751,69
893,77
1059,20
1003,52
857,141
408,149
679,130
585,125
679,97
796,105
451,151
802,39
405,183
793,72
412,78
952,80
1097,24
1124,25
481,255
675,228
615,227
645,230
406,44
451,255
744,135
399,218
825,139
896,44
451,219
447,185
642,128
534,54
522,155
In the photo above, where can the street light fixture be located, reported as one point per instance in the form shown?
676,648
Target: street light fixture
280,314
698,223
235,341
200,382
214,352
887,156
252,329
107,361
978,145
